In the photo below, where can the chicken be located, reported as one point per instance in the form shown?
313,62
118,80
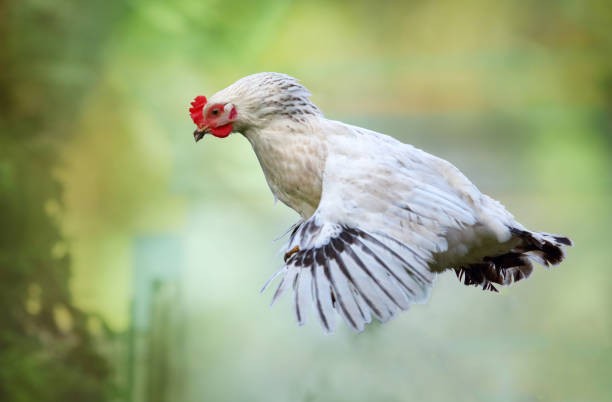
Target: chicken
379,218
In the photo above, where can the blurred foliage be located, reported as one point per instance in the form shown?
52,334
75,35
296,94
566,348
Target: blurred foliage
96,154
49,58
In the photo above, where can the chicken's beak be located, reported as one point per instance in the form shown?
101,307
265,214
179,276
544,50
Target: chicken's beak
199,133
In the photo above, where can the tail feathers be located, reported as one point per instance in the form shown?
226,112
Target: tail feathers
502,270
544,248
517,264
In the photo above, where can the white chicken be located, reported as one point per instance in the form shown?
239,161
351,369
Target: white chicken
379,218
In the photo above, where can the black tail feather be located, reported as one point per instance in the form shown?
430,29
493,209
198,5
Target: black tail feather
566,241
515,265
544,245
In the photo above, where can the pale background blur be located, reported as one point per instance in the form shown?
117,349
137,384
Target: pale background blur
131,258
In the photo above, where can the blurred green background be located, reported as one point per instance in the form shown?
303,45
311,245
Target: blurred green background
131,259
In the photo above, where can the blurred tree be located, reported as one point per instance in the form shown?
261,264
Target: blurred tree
48,58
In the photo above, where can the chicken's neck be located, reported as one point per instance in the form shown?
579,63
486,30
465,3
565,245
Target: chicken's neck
292,157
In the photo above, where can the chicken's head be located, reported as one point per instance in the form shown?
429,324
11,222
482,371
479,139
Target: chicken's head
215,118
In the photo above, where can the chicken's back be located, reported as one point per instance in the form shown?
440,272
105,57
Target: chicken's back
417,197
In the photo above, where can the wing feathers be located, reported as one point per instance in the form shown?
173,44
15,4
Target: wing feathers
302,289
352,272
363,291
322,294
287,278
389,281
348,307
413,269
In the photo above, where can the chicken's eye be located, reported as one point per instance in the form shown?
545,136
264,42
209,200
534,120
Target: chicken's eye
214,112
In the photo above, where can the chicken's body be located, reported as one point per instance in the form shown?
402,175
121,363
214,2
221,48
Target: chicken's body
293,161
379,217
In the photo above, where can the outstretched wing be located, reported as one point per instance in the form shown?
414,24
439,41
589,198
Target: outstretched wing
367,250
356,273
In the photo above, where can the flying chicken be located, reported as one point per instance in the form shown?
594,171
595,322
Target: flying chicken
379,218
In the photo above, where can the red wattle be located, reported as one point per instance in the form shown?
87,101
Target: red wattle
221,131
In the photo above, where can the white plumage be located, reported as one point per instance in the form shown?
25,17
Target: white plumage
379,218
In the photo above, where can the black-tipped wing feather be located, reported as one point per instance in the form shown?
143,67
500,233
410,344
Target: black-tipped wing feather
340,269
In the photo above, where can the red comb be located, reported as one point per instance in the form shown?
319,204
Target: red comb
196,109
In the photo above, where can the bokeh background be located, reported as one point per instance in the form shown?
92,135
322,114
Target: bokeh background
131,259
